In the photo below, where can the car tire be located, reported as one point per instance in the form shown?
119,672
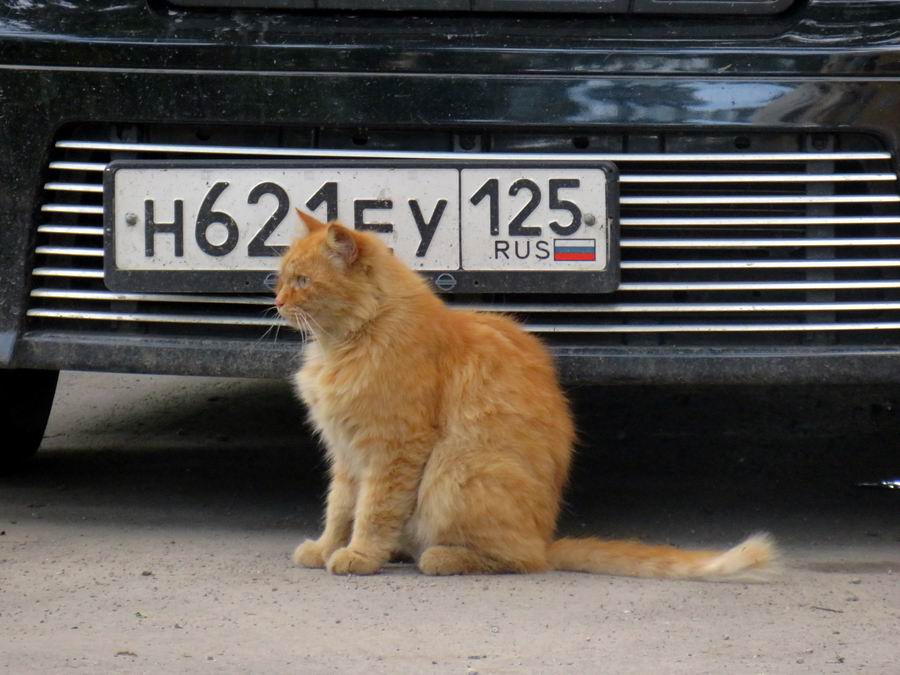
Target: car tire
26,397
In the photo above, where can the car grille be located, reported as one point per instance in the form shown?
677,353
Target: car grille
752,239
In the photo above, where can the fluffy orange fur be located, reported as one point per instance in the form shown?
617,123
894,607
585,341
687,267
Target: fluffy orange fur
448,435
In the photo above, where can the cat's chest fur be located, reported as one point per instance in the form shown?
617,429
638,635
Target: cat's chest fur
345,404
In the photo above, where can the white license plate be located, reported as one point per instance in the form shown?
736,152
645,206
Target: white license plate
213,226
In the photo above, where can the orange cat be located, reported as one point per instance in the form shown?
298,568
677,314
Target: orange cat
448,434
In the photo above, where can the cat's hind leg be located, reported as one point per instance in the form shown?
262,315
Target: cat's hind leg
482,513
448,560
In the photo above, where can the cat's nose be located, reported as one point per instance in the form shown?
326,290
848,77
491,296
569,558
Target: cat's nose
279,303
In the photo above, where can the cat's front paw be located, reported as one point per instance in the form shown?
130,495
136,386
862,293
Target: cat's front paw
309,554
350,561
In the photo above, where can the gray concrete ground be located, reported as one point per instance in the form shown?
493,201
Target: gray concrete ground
153,532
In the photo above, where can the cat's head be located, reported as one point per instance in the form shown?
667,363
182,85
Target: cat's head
328,280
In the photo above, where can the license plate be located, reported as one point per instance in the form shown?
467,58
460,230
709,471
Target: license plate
471,227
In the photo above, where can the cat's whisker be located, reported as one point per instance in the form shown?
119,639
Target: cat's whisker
275,324
299,321
262,337
307,328
319,327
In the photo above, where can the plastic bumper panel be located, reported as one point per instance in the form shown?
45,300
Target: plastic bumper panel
55,97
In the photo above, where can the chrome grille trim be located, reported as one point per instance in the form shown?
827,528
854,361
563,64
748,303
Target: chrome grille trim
626,264
760,178
586,157
519,308
74,187
756,243
67,273
756,285
73,208
761,242
624,287
798,221
535,328
673,308
749,264
77,166
69,250
141,317
646,178
628,201
760,199
717,328
71,229
111,296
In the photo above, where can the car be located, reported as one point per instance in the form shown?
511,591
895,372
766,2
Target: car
668,191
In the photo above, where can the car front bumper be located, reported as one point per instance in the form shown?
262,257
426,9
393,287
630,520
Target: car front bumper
499,74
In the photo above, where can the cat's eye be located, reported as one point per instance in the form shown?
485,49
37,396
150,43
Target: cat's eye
300,282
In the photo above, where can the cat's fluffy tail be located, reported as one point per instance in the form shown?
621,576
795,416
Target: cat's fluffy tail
753,560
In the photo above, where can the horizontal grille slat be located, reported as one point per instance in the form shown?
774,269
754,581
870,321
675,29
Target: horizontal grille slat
111,296
255,151
758,178
647,178
71,229
752,264
77,166
138,317
69,250
625,286
760,199
776,240
73,208
513,308
717,328
629,201
684,308
652,286
63,272
756,243
798,221
74,187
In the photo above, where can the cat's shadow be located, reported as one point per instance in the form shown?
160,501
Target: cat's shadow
236,455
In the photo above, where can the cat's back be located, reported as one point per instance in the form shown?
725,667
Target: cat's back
506,410
499,337
497,360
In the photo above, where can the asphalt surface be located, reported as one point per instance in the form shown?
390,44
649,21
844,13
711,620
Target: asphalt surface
153,533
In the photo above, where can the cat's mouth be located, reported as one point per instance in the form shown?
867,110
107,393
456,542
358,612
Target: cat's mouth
292,316
296,318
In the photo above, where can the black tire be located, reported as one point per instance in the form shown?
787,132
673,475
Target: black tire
26,397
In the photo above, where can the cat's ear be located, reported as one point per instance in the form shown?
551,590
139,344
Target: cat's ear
342,244
312,223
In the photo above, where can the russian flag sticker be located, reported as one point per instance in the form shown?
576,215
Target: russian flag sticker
575,249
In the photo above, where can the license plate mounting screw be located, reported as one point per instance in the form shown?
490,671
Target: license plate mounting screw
445,282
590,219
131,219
